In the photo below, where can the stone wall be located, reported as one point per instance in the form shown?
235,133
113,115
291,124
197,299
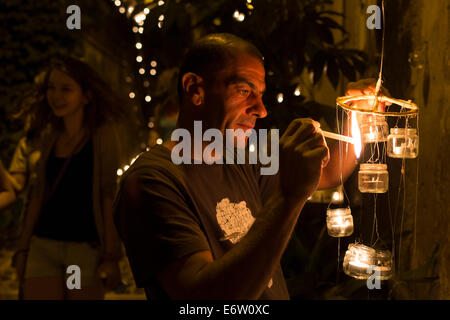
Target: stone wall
417,68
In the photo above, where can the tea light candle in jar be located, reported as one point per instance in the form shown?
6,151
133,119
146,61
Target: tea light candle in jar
374,128
373,178
403,143
383,264
358,260
339,222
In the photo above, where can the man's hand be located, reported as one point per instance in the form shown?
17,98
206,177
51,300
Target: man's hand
366,87
109,272
303,151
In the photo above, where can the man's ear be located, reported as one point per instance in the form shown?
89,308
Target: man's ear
193,88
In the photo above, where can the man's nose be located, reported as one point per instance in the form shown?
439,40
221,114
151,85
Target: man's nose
258,109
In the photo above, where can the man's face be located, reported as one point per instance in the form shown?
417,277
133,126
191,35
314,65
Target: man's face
233,96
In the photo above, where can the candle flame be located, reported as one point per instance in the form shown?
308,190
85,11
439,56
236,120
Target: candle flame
356,134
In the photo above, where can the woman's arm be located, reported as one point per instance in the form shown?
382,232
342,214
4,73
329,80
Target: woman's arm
113,249
7,194
10,186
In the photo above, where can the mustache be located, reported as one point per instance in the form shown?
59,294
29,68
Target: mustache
247,122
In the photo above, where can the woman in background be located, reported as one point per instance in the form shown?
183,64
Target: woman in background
68,220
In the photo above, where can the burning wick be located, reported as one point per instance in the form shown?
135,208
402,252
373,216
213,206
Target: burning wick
338,137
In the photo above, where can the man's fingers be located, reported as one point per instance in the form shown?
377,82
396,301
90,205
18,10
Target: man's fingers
316,141
319,153
306,131
363,83
295,124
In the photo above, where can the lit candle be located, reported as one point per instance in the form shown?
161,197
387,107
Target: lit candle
339,222
403,143
373,178
359,265
399,150
358,259
383,265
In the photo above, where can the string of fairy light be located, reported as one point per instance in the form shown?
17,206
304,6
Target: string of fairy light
138,29
240,17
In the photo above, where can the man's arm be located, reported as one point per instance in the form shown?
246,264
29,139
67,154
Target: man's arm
245,270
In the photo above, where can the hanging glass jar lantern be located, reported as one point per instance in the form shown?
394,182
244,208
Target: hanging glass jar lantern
358,260
373,178
383,264
373,128
339,222
403,143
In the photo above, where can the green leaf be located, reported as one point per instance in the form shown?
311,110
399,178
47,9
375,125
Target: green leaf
346,68
332,71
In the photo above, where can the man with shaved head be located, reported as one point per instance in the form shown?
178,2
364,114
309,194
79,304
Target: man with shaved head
218,231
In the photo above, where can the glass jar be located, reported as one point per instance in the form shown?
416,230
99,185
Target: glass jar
373,178
358,261
383,264
373,128
339,222
403,143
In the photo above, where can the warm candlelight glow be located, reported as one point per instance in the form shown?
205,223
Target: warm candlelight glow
373,178
358,259
356,135
339,222
403,143
358,263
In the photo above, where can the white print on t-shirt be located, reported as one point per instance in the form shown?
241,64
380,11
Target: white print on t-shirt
235,219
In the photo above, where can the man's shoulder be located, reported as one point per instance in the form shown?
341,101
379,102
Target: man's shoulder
151,177
154,165
157,159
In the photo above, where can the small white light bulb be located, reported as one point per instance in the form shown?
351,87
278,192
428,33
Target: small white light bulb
280,98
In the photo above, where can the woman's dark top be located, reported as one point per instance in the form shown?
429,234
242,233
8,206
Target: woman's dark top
68,214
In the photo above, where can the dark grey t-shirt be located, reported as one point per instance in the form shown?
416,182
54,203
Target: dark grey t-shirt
164,212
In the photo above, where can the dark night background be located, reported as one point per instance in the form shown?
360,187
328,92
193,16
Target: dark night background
312,49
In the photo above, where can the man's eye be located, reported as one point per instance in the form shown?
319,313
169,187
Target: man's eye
244,92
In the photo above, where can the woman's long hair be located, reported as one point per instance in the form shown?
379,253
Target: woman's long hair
103,104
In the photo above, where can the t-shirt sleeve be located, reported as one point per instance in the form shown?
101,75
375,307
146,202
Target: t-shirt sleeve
19,162
156,224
